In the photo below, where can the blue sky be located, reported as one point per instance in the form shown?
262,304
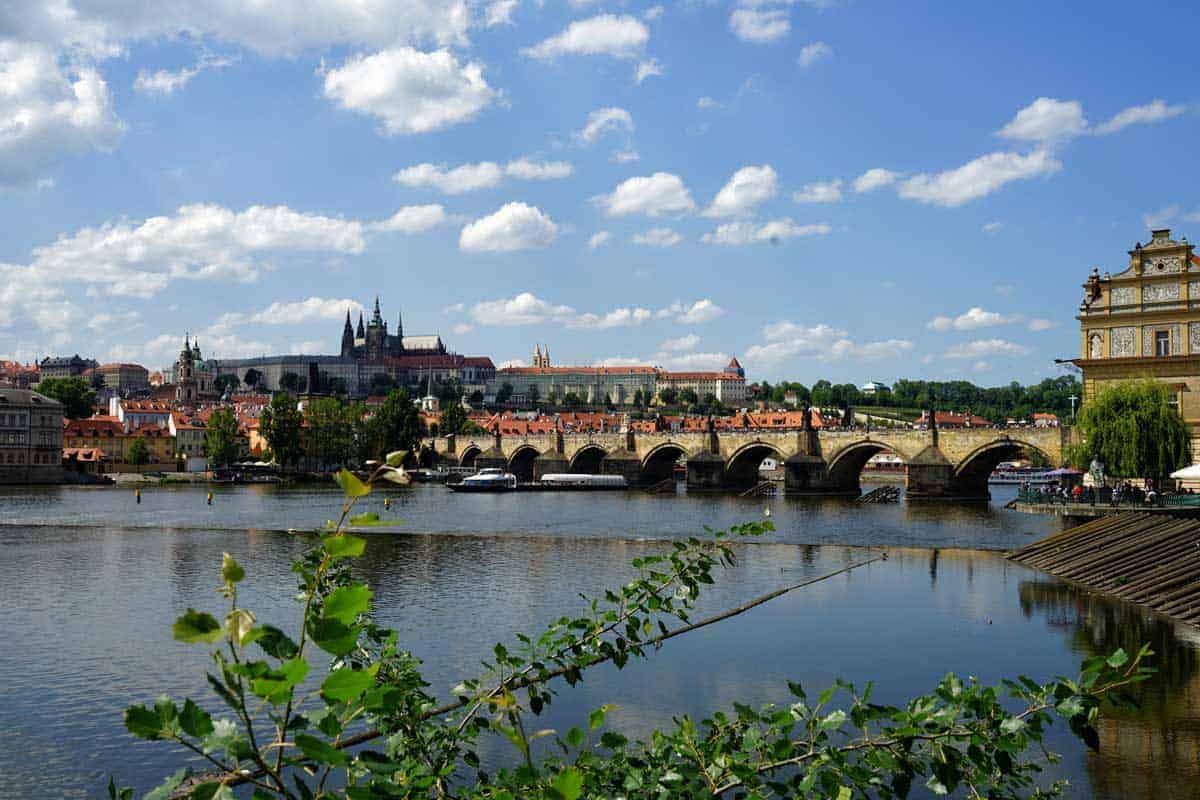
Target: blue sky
848,190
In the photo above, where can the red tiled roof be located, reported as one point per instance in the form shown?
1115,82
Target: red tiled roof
146,406
733,364
120,366
93,427
85,454
701,376
478,361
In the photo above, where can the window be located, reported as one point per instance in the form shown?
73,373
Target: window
1162,343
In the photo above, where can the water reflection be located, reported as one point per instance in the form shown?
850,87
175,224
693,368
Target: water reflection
88,609
1154,752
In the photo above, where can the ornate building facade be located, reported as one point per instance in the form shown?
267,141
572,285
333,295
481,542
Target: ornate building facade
193,376
1144,322
373,342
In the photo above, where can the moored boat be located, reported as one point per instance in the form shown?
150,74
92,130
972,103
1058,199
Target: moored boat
491,479
581,482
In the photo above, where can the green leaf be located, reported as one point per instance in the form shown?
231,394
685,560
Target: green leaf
568,784
367,519
165,789
396,458
346,602
194,627
596,717
1118,659
575,737
195,721
344,546
347,683
277,683
351,485
834,720
273,641
211,790
1012,725
332,636
320,751
124,793
231,570
143,723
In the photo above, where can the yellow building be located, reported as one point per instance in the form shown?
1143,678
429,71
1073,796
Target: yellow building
1144,322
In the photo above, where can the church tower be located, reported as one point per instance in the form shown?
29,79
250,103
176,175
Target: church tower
185,373
347,338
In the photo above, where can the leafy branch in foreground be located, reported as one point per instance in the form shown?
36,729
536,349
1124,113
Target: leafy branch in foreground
371,729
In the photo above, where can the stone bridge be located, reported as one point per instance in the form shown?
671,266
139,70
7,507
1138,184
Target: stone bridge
952,463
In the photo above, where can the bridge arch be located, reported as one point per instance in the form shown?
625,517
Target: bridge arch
845,470
469,454
741,468
659,463
587,459
520,463
971,473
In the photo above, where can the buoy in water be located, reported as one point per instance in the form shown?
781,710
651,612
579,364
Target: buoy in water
210,498
387,503
137,493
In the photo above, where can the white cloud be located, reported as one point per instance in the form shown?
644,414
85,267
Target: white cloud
707,103
658,237
745,191
986,347
603,121
617,318
1047,121
652,13
981,366
412,219
527,169
49,111
461,179
311,309
697,313
654,195
993,227
515,226
625,157
524,309
647,69
617,36
1041,324
599,239
680,344
461,328
454,308
774,231
692,362
972,319
812,53
820,192
410,91
1160,217
786,340
164,83
978,178
874,179
1152,112
759,25
500,13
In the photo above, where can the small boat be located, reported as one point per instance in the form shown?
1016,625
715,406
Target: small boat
1016,476
491,479
581,482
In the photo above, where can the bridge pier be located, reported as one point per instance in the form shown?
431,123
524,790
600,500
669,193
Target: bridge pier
706,473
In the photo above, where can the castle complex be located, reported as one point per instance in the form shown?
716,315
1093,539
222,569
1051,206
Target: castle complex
373,342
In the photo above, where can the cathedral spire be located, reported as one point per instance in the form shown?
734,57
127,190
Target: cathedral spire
362,332
377,319
400,327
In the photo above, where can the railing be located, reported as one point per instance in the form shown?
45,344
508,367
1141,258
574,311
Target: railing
1105,497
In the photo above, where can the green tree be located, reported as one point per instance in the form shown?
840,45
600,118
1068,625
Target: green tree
290,382
221,443
454,419
329,428
382,383
224,383
75,394
1132,428
280,424
395,425
504,393
533,395
688,396
138,454
961,738
668,396
570,399
476,398
253,378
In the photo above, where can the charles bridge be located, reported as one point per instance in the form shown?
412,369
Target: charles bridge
951,464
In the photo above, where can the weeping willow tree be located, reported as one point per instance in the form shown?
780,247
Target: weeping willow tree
1133,430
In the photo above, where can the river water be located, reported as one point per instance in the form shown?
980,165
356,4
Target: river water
90,582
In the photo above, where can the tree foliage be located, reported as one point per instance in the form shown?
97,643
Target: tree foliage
454,420
253,377
372,730
138,454
221,443
1134,431
280,424
504,393
395,425
330,428
224,383
75,394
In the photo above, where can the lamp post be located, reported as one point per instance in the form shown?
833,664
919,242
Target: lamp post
1072,398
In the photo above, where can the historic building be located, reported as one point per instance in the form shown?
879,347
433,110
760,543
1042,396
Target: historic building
123,378
65,366
31,438
193,376
1144,322
369,350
